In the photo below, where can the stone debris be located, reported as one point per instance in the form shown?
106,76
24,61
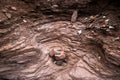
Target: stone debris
116,39
13,8
111,27
4,10
107,21
54,6
24,20
104,17
74,16
80,32
99,57
92,17
57,53
58,56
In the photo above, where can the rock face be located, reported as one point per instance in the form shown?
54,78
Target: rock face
59,3
92,47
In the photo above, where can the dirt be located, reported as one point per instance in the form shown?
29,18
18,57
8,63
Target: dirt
91,40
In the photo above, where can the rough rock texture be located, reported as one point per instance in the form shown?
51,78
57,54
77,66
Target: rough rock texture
58,3
91,43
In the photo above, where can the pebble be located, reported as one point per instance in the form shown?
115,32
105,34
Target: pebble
74,49
117,38
80,32
111,27
97,69
24,20
104,17
4,10
92,17
89,37
99,57
13,8
58,53
85,18
97,27
104,25
74,16
106,21
54,6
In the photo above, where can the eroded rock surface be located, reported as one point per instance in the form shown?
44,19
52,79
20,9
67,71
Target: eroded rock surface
92,49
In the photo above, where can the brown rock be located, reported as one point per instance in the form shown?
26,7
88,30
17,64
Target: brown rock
74,16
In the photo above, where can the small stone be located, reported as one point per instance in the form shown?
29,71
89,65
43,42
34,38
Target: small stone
74,49
104,17
13,8
117,38
104,25
85,18
97,27
80,32
24,20
4,10
74,16
106,21
54,6
111,27
92,17
58,53
97,69
89,37
73,26
99,57
90,25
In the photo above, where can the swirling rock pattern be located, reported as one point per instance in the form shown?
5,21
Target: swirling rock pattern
26,56
25,44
